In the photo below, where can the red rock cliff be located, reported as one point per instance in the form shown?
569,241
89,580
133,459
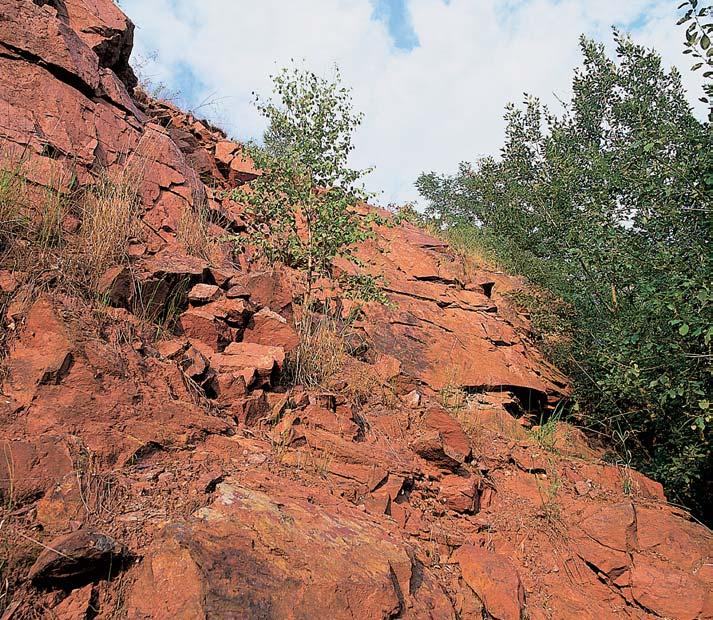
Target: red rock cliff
179,477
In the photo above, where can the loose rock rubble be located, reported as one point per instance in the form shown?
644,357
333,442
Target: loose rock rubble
183,477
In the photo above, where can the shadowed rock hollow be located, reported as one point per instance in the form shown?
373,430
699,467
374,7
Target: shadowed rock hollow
178,475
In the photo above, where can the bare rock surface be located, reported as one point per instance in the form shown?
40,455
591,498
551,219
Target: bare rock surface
282,553
77,557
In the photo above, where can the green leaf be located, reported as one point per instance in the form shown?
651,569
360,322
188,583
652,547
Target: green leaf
684,329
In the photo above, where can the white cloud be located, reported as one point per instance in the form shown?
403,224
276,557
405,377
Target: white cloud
426,109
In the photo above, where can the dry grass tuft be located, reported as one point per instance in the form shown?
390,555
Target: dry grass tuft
361,383
320,355
193,231
110,219
59,240
453,398
33,238
325,360
53,209
313,461
100,492
550,509
12,189
30,215
545,434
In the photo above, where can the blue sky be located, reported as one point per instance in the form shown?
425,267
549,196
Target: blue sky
397,18
431,76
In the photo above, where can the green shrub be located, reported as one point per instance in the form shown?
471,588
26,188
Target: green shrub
607,207
300,209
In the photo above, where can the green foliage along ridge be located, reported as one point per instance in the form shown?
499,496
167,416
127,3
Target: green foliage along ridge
608,206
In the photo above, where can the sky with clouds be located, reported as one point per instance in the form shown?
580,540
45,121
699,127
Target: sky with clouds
431,76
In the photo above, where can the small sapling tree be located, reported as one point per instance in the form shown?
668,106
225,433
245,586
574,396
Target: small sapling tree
301,207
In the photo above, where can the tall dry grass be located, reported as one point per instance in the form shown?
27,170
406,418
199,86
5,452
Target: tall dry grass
325,359
110,218
12,189
320,354
32,220
194,231
52,210
31,214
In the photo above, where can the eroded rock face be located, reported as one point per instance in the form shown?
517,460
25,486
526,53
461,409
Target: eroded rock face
494,579
443,332
240,495
29,468
76,558
67,111
105,29
279,553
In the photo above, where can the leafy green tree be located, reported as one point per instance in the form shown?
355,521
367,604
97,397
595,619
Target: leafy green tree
698,43
608,206
301,208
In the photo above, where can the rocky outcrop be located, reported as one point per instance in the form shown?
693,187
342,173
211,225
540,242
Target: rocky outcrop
443,328
182,476
76,558
494,579
283,552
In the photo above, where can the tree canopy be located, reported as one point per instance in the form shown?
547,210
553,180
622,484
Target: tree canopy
608,206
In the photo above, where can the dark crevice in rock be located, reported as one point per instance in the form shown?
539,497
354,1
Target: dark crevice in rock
64,76
500,343
67,77
118,105
607,581
441,303
55,376
529,399
114,53
486,309
399,594
445,329
58,5
437,279
403,293
514,408
51,151
149,448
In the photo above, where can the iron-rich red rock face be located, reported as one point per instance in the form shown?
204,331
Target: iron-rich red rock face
494,579
443,332
336,562
235,495
76,558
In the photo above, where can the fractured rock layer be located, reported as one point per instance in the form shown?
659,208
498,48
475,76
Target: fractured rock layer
182,478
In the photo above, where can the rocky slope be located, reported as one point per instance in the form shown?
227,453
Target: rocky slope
181,476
